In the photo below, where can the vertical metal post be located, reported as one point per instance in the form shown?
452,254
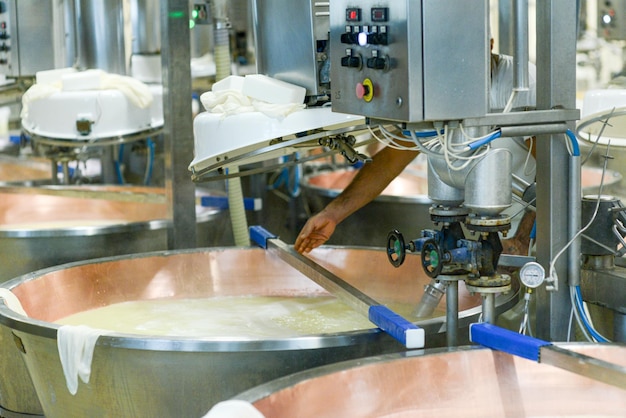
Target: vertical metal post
452,313
520,46
100,35
489,308
556,88
505,17
178,132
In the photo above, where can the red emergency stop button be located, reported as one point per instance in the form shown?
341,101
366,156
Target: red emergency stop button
365,90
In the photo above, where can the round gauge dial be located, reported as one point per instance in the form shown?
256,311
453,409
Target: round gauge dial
532,274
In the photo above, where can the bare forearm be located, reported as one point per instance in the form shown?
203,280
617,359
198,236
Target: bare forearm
370,181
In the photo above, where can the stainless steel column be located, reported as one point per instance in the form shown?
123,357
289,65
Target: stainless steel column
505,23
452,313
178,126
489,307
100,35
556,87
146,27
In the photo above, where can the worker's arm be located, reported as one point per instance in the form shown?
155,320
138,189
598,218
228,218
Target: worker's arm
370,181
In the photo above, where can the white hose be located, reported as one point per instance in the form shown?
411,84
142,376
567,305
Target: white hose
237,210
221,53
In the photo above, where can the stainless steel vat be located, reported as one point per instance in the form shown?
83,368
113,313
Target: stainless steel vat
16,170
29,241
40,230
100,35
591,177
403,205
144,376
468,382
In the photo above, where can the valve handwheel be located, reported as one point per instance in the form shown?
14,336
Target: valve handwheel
432,258
396,250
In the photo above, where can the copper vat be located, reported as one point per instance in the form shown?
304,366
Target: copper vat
468,382
17,170
591,177
40,230
139,376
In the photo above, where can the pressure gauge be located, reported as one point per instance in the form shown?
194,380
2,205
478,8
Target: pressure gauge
532,274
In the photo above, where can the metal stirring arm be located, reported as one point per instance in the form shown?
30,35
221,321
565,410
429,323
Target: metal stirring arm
410,335
501,339
345,145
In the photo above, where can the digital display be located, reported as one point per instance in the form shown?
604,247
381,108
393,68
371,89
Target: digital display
353,14
380,14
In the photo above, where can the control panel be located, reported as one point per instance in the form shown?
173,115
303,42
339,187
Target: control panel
27,45
410,60
5,36
612,19
293,47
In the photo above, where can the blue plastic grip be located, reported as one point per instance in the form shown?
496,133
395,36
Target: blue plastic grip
399,328
260,235
511,342
221,202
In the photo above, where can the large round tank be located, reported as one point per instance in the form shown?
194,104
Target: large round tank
147,376
403,205
466,382
592,177
16,170
100,34
40,230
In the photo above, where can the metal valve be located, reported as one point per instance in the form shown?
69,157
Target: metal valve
432,258
396,248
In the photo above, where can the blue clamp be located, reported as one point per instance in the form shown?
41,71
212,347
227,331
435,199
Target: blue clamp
260,235
511,342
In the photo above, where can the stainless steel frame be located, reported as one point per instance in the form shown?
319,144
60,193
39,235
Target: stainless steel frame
556,82
178,133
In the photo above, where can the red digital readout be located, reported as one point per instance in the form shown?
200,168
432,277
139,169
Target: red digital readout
353,15
380,14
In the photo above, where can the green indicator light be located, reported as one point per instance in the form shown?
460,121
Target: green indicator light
177,15
191,23
194,14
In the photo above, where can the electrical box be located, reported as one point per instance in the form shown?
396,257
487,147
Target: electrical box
410,60
201,13
612,19
35,35
293,47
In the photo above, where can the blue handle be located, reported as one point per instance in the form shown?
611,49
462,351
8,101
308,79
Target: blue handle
221,202
399,328
510,342
260,235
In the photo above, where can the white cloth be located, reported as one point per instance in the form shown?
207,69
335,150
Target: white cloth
233,102
12,301
76,344
136,91
234,409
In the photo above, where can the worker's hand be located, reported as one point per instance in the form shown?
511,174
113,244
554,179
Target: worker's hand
317,230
